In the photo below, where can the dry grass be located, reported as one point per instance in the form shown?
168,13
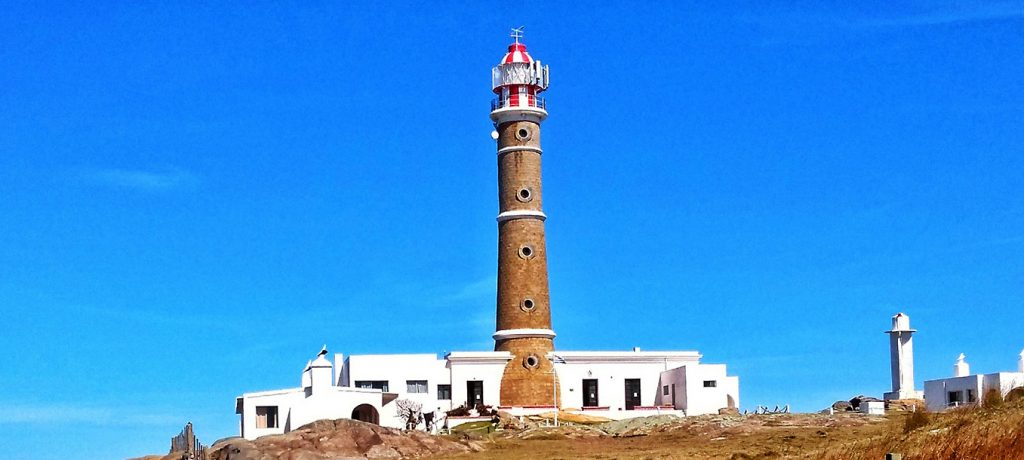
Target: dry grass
993,432
974,433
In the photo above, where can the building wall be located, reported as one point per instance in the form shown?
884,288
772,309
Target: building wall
397,370
690,393
488,369
611,380
339,403
655,370
283,400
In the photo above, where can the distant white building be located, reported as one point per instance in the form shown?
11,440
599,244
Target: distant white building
965,388
615,385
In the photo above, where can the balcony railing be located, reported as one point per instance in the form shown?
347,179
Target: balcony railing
531,101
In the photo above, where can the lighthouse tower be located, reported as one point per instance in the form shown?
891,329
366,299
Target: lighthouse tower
901,355
523,307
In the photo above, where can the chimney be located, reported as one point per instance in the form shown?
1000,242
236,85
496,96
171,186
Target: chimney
320,373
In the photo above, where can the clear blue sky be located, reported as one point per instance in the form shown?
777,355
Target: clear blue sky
194,198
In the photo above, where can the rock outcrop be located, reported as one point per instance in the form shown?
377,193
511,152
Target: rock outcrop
340,439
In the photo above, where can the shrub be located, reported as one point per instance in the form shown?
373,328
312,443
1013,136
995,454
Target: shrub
915,420
993,399
1015,394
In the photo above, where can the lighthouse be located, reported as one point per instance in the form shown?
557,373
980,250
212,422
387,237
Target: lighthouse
523,306
901,359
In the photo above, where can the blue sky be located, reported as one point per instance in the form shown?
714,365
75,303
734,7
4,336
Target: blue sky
194,198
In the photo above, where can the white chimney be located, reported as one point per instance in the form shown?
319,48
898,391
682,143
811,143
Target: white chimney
961,368
1020,362
320,373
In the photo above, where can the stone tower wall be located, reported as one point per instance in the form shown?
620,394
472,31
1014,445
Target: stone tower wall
523,301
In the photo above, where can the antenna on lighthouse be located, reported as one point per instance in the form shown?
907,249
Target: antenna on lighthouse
517,33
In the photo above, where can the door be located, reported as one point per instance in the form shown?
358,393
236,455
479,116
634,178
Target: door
590,393
632,393
474,393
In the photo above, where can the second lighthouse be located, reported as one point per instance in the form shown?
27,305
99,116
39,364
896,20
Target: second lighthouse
524,309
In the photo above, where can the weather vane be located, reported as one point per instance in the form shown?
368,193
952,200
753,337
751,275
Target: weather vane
517,33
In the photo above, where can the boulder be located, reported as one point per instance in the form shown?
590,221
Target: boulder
509,422
856,400
842,406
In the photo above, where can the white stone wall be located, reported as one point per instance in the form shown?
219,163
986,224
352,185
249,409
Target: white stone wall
339,403
486,367
283,399
611,369
398,370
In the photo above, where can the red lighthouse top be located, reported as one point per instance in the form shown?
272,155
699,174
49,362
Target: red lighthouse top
516,53
517,80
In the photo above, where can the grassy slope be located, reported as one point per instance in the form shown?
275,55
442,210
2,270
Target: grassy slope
973,433
996,433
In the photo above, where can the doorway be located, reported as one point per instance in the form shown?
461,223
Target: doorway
632,393
366,413
474,393
590,393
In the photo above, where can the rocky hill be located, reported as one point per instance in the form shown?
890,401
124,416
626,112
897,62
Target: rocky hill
994,430
341,439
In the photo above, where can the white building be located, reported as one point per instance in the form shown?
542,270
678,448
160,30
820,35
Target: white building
965,388
615,385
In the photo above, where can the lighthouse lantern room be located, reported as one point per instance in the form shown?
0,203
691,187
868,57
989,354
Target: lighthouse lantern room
517,81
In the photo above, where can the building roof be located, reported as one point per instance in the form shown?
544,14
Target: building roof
516,53
626,356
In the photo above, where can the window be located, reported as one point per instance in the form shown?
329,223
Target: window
444,392
415,386
266,417
971,396
664,390
955,398
381,385
710,383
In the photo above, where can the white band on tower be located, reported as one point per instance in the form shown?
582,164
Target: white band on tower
523,333
513,148
521,214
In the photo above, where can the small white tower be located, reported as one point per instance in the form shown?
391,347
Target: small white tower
1020,362
901,359
317,376
961,368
